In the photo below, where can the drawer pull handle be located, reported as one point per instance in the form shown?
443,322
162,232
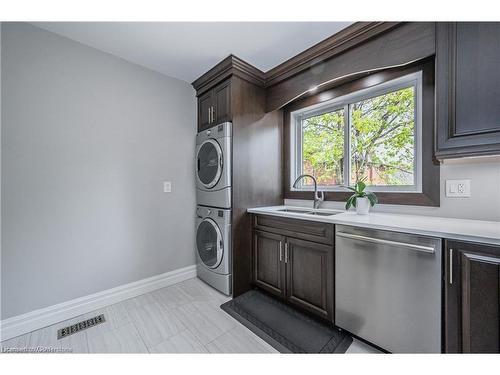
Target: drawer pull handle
451,266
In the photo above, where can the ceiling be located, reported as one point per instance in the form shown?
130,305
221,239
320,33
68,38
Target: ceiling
186,50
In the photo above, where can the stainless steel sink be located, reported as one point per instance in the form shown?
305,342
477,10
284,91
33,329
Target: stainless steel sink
317,213
305,212
294,211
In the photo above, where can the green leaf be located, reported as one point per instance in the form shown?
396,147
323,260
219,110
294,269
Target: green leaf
350,202
372,198
360,185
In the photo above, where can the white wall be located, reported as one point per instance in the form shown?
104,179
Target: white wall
0,165
484,203
87,141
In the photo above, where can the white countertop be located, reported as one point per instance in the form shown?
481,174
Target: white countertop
457,229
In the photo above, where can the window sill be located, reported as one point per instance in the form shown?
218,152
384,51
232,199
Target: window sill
406,198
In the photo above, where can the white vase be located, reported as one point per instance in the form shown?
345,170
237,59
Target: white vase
362,206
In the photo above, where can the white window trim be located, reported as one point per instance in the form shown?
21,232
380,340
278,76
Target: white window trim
413,79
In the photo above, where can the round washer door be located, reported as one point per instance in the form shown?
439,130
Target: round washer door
209,163
209,243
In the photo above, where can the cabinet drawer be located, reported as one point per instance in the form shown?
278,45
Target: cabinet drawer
302,229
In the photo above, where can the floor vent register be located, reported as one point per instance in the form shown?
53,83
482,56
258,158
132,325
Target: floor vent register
80,326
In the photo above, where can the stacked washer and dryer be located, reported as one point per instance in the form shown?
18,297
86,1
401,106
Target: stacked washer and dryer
213,211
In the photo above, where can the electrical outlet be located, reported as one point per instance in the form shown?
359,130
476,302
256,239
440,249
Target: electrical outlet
167,187
458,188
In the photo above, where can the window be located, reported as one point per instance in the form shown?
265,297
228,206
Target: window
373,135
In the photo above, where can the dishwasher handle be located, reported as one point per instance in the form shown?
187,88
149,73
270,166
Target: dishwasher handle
410,246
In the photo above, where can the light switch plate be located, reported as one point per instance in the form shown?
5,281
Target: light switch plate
167,187
458,188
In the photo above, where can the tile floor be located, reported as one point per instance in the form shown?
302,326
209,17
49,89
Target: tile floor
182,318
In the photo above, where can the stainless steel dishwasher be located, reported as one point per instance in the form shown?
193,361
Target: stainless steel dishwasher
388,288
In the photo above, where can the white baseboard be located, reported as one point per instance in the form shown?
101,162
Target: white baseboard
21,324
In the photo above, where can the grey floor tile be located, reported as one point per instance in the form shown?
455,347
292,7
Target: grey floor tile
124,339
184,342
214,293
359,347
172,296
115,317
46,338
155,323
239,340
197,290
183,318
206,321
142,300
15,344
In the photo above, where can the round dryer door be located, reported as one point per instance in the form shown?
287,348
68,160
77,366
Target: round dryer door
209,161
209,243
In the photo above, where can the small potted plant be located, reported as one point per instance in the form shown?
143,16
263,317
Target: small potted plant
361,199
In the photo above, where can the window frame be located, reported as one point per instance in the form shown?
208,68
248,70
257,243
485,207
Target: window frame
296,150
430,185
344,102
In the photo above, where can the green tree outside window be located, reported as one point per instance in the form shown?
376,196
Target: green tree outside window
382,142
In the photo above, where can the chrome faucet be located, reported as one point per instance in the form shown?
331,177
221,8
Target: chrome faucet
318,195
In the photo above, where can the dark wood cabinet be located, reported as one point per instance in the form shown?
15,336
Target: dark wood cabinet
467,89
269,269
205,111
222,102
309,276
214,106
234,91
472,298
299,271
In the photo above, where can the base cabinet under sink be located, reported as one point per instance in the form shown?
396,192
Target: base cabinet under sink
309,277
299,271
268,266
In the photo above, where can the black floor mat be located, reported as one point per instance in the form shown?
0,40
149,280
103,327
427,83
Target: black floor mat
283,327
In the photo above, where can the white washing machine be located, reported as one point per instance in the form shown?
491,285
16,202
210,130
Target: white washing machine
213,247
213,166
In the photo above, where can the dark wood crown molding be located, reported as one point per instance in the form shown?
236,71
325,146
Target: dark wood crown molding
349,37
231,65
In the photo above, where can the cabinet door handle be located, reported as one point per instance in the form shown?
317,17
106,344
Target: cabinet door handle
286,252
213,113
281,251
209,114
451,267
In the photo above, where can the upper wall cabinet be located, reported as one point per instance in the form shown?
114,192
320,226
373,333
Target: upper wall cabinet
468,89
214,106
